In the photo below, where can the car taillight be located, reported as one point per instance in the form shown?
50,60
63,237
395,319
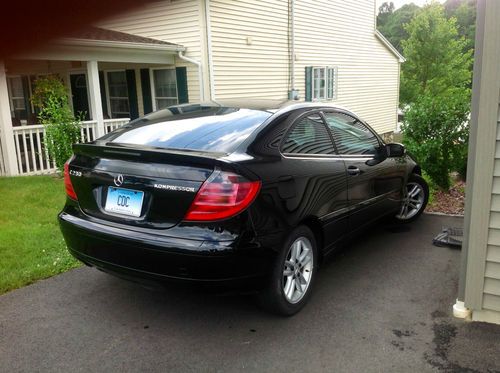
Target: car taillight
67,183
222,195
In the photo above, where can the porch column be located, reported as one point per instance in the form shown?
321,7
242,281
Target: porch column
6,134
95,97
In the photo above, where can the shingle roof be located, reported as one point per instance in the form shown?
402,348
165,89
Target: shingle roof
102,34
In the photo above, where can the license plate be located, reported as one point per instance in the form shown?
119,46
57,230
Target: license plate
124,201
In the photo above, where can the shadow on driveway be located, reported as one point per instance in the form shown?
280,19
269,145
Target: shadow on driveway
383,304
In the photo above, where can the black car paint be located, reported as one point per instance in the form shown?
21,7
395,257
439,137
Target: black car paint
316,191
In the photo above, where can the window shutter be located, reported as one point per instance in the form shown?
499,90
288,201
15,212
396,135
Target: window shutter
132,94
104,101
146,91
309,83
182,86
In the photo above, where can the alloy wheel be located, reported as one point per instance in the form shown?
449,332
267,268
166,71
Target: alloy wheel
298,270
413,201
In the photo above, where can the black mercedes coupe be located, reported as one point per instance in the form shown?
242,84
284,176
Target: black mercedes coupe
218,195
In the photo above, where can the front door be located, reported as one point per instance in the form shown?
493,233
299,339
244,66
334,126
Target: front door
375,182
80,95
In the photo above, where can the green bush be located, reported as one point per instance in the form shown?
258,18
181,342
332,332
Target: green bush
436,132
62,129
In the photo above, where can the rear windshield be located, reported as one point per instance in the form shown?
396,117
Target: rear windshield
211,129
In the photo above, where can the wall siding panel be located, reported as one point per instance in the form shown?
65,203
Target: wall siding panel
491,289
251,56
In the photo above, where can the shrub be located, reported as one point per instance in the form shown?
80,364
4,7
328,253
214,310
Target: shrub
62,129
436,132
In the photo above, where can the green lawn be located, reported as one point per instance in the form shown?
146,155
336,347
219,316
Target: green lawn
31,245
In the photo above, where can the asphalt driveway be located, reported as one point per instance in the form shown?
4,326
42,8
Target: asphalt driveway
383,305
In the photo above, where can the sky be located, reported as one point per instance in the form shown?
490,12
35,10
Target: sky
400,3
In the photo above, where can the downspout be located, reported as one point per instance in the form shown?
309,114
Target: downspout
209,50
292,32
200,73
293,94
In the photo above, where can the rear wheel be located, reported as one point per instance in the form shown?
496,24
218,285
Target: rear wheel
294,271
416,196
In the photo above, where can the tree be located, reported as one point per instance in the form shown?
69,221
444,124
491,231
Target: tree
384,13
62,130
435,90
391,24
465,13
435,58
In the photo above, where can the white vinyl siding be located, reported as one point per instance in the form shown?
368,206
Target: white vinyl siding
491,296
176,22
250,49
341,33
251,59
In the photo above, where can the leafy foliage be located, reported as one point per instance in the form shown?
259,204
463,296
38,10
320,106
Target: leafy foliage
62,129
435,88
436,132
391,22
435,58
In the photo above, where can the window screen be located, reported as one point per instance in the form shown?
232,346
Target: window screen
165,88
308,136
350,135
118,94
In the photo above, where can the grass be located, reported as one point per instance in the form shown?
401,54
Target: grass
31,244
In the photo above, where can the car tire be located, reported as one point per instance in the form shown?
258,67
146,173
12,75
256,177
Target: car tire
293,274
415,199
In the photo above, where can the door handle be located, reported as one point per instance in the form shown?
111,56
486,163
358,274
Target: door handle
353,170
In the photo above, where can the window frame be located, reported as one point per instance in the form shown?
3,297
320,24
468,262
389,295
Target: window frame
108,97
11,96
295,121
327,70
370,129
152,84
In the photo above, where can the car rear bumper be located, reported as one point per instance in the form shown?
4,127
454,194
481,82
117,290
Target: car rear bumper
132,254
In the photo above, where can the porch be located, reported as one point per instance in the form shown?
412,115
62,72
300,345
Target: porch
111,77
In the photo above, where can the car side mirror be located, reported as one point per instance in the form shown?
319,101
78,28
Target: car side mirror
395,150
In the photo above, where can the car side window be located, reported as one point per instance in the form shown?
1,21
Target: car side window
351,136
308,136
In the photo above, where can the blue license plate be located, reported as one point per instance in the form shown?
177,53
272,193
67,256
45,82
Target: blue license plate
124,201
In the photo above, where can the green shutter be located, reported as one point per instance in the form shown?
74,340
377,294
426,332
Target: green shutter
132,94
309,83
146,91
104,101
182,86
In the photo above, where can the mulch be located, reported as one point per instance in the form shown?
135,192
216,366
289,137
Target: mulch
451,201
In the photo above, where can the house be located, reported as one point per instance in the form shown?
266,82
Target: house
176,51
479,285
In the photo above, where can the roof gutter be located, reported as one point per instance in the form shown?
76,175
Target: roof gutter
200,73
121,44
389,46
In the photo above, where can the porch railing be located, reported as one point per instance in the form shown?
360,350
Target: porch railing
31,155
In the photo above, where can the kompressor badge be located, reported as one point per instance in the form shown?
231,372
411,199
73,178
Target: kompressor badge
175,188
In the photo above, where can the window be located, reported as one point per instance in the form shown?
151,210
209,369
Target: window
204,128
324,83
308,136
17,98
164,88
118,94
351,136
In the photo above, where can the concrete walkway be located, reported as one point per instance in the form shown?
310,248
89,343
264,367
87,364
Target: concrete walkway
383,305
